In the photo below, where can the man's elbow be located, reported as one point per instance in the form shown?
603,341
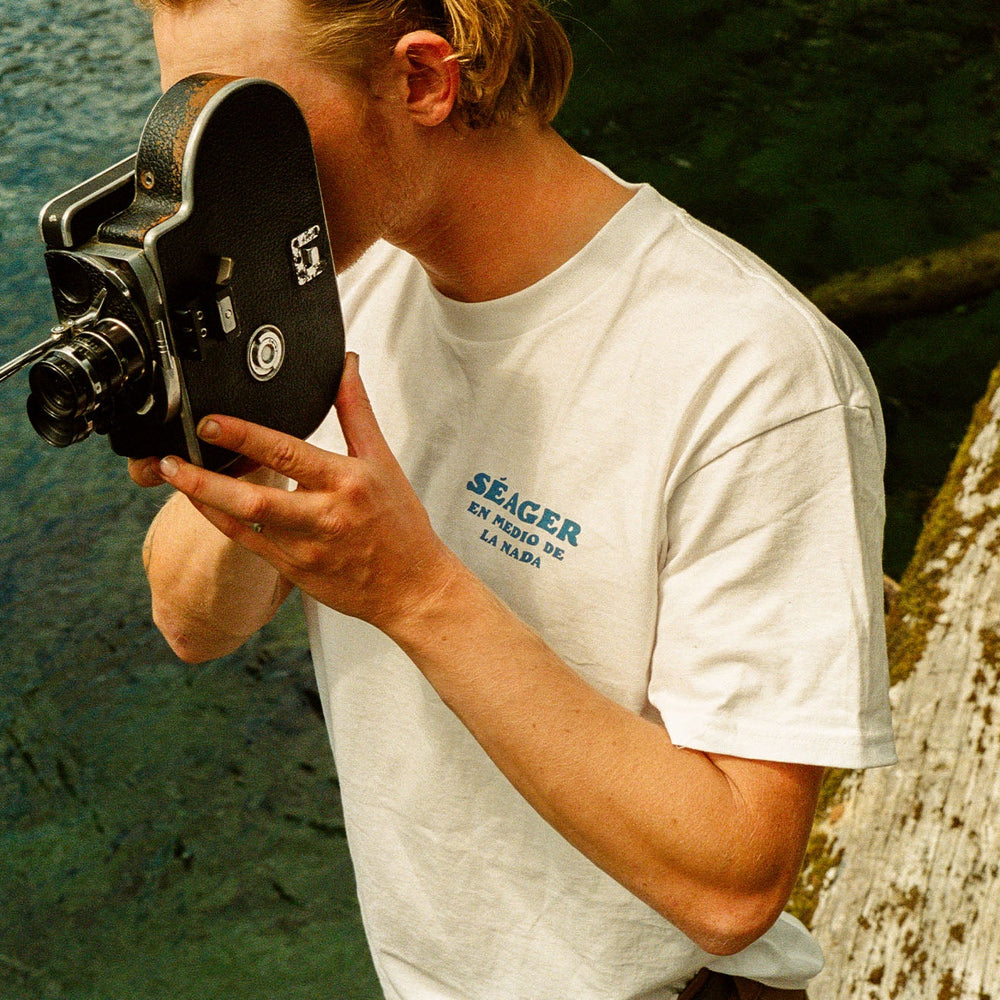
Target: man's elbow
726,922
192,642
732,929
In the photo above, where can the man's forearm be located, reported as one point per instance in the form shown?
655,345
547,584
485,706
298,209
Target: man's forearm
712,843
209,594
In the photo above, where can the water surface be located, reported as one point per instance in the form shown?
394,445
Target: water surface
165,831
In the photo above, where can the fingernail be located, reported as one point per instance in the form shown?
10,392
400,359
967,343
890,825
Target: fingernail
168,467
208,429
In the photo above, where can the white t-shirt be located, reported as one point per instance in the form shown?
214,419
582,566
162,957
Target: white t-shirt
667,463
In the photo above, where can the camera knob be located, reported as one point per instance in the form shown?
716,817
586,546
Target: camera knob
265,352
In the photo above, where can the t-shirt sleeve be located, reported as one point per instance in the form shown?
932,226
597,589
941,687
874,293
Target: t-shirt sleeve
771,636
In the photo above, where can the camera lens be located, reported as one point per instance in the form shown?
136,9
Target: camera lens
62,385
75,382
56,431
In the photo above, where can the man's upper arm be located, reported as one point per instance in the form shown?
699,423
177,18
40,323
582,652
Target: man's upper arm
770,641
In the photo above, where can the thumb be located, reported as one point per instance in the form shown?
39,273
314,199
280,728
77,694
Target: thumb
354,410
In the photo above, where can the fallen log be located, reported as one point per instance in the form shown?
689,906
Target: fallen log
914,286
902,880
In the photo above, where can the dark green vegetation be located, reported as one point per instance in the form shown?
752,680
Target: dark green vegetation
173,832
825,136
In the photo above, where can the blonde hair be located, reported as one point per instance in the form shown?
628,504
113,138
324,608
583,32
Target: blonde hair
513,56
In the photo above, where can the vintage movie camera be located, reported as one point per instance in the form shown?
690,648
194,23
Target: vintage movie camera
195,277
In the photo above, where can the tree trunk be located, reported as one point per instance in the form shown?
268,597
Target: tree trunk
914,286
902,882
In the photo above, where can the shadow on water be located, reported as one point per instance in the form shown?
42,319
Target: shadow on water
165,831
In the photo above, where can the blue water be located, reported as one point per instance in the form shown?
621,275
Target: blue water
75,87
165,831
74,91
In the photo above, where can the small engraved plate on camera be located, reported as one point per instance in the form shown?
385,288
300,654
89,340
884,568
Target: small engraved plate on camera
306,256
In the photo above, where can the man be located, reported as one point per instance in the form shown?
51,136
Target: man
592,576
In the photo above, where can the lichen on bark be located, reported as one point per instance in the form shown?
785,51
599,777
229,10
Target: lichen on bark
966,510
948,532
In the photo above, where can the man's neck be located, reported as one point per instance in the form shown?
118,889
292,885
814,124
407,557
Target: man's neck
506,209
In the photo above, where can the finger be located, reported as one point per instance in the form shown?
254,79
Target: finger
354,410
241,468
248,503
145,471
257,542
304,463
239,531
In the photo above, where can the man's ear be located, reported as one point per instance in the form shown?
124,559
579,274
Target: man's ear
427,76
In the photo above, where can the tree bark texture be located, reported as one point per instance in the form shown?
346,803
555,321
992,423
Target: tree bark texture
902,882
914,286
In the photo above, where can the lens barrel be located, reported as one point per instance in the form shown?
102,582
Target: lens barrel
62,385
74,384
57,431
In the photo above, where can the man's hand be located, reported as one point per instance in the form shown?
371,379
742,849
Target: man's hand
353,534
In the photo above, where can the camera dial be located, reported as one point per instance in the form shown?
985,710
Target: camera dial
266,352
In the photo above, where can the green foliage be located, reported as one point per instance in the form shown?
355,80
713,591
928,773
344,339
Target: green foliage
878,122
826,136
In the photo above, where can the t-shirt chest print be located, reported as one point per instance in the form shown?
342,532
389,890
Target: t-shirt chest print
518,526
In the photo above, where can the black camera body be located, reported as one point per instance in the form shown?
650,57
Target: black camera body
195,277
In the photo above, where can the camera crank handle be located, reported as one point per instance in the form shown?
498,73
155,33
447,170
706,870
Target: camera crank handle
60,334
